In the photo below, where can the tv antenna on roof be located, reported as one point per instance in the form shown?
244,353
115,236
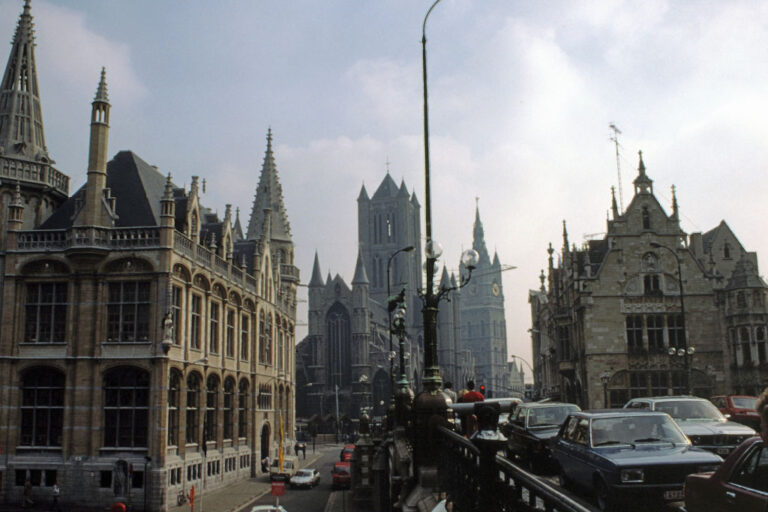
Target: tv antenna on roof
615,139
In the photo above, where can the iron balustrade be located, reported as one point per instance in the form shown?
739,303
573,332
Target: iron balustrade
474,479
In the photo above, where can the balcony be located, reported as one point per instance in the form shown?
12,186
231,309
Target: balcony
34,173
88,237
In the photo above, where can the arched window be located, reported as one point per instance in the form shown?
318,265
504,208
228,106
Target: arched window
262,338
229,398
269,340
126,407
42,407
174,392
727,251
741,300
211,408
280,347
193,404
339,365
242,409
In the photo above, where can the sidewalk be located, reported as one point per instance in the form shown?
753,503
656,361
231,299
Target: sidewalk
236,497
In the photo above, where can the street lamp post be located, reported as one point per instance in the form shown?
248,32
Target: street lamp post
685,351
604,378
391,355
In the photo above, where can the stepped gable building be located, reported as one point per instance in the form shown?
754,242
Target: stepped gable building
484,330
607,318
147,346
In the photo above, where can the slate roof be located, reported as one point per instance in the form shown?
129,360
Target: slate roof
138,188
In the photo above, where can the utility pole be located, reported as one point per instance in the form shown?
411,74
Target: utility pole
615,139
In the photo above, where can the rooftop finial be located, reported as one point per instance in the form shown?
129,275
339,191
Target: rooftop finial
641,166
27,6
269,139
101,92
674,203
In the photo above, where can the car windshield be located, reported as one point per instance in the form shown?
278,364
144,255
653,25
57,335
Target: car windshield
686,410
341,470
635,429
744,402
304,472
549,416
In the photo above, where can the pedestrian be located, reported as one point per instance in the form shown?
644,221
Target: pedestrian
469,421
56,491
449,392
296,449
27,494
265,464
762,410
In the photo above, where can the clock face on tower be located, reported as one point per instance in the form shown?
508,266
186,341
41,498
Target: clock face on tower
495,289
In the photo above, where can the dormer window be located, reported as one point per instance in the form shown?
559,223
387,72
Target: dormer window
646,218
741,300
727,251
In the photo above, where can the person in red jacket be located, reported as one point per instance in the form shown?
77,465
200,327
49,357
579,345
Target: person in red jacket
472,395
469,421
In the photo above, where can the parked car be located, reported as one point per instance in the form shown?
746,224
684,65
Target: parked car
268,508
347,453
305,478
740,484
290,466
700,420
530,430
341,475
738,408
626,456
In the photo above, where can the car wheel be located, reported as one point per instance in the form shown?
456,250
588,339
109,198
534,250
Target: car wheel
603,497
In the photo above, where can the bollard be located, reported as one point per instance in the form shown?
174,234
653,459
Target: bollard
489,441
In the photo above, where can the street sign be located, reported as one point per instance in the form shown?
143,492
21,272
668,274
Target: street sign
278,488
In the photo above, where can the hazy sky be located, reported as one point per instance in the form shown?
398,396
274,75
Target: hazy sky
521,97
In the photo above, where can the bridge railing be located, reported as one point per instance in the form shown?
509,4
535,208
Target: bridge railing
476,477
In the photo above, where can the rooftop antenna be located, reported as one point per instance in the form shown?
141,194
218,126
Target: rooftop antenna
615,139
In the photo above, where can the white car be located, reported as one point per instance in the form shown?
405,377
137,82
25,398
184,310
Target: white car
268,508
305,478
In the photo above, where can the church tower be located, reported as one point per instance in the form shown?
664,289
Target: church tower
24,158
484,330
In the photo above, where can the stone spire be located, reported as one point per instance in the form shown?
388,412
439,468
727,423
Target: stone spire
643,184
614,206
94,214
21,120
269,194
675,211
478,238
361,277
316,279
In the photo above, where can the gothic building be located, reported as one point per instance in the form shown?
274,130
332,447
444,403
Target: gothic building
484,331
649,310
346,356
147,345
348,343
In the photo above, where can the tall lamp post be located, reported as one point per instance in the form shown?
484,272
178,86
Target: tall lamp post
684,351
391,355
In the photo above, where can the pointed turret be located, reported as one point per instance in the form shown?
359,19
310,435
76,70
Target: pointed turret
361,277
363,196
643,184
269,195
95,213
445,281
675,212
496,262
403,192
21,120
614,206
565,238
316,279
237,229
478,239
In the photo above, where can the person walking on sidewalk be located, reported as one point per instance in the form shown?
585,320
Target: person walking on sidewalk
56,491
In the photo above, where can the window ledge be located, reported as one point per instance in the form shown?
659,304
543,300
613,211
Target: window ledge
142,342
43,343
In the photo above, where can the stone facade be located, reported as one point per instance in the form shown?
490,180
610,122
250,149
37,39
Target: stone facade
147,345
611,322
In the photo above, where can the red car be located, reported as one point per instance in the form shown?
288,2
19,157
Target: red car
738,408
342,475
739,484
347,453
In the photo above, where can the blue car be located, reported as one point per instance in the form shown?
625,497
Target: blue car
623,457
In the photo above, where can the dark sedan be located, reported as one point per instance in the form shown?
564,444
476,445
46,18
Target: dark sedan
530,430
627,456
740,484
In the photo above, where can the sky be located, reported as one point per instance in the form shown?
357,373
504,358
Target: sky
521,96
